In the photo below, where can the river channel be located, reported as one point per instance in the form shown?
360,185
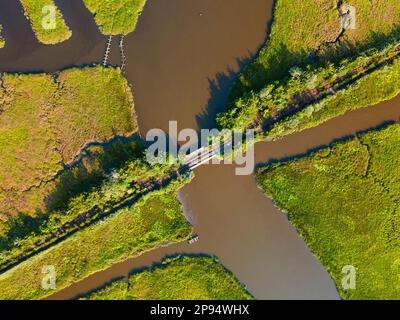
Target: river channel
182,59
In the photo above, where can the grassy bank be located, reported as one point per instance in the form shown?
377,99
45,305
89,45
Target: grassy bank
94,104
89,192
311,69
181,278
27,139
372,89
155,220
310,96
343,200
308,30
44,123
40,13
116,16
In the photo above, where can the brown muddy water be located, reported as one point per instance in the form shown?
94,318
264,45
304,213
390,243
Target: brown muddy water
23,53
182,60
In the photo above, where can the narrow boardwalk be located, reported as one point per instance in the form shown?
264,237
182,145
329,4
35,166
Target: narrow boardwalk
108,49
122,52
121,46
206,154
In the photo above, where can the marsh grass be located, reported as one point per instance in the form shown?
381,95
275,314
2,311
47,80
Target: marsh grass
304,32
179,278
47,120
343,200
116,16
34,12
156,220
313,95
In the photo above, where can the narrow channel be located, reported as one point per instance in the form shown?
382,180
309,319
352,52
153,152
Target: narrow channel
182,60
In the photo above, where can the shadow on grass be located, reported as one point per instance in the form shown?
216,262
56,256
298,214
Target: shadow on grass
279,60
89,171
96,162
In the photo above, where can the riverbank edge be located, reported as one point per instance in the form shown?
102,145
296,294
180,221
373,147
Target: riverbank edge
310,153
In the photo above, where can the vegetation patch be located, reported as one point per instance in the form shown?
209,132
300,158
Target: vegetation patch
156,220
88,193
45,123
305,31
311,69
313,95
28,141
94,104
47,21
370,90
180,278
343,200
116,16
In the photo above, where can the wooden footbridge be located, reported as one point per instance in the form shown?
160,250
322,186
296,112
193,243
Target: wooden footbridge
108,50
121,46
196,158
206,154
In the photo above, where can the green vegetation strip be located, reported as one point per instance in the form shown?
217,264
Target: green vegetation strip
94,104
310,28
156,220
45,121
47,21
82,199
378,86
180,278
116,16
344,202
311,70
311,96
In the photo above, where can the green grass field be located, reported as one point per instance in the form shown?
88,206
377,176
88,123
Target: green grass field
290,70
94,104
156,220
116,16
95,185
39,12
180,278
304,28
343,200
369,91
46,121
312,95
103,181
27,138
